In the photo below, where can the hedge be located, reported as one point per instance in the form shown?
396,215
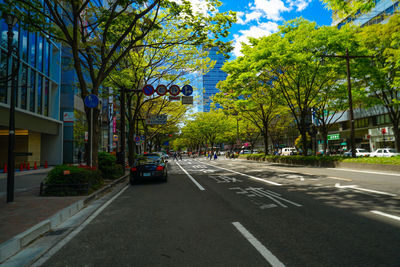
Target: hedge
108,167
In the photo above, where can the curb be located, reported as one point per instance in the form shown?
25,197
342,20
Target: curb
20,241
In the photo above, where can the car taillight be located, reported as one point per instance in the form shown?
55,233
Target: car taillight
133,169
159,168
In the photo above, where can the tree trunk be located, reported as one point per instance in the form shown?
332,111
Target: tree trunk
94,135
131,142
324,133
303,133
396,132
265,137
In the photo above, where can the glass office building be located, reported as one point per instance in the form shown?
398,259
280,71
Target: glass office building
37,102
211,79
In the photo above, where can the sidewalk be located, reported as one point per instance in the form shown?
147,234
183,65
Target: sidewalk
31,215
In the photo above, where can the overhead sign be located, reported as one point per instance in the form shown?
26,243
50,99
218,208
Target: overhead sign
91,101
68,117
148,89
187,90
174,98
333,137
161,89
156,119
187,100
174,90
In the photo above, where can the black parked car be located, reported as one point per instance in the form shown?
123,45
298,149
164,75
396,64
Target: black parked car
149,166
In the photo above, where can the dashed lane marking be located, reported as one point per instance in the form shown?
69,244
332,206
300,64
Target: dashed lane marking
386,215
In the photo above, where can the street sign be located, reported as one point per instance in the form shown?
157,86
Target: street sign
161,89
115,137
68,117
148,89
174,98
142,138
333,137
174,90
86,136
114,124
187,90
91,101
187,100
156,119
137,138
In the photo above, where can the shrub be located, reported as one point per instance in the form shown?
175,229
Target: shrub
108,167
59,183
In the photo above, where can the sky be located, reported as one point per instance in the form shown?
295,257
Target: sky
258,18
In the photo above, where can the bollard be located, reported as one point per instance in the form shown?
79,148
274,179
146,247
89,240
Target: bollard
28,167
35,166
24,165
45,164
21,167
5,168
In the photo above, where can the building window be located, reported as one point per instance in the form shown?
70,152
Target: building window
3,32
32,49
362,123
24,44
46,97
32,91
24,86
40,53
39,94
46,57
383,119
374,120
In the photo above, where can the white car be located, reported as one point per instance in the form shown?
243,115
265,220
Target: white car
385,152
360,152
289,151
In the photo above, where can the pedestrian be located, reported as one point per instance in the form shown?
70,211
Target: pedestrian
179,155
215,155
175,156
79,156
210,154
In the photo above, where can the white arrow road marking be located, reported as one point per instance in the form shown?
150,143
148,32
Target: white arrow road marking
355,187
274,261
386,215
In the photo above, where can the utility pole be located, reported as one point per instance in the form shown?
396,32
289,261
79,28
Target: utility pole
350,97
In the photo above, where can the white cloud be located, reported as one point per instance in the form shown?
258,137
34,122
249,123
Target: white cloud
255,15
271,9
263,29
239,17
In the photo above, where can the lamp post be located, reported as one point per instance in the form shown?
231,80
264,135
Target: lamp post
11,20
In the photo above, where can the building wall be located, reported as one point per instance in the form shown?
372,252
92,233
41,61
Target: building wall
37,91
211,78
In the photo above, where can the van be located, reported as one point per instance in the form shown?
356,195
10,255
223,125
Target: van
289,151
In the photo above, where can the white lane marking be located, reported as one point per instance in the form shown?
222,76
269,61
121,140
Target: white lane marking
371,172
386,215
68,238
337,178
355,187
191,178
250,176
274,261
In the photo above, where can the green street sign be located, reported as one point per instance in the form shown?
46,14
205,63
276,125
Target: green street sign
333,137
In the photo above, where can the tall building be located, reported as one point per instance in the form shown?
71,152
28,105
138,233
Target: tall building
37,102
211,78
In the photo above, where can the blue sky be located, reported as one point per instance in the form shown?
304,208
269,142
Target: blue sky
258,18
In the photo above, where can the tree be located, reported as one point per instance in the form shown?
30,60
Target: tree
100,36
382,78
344,8
292,60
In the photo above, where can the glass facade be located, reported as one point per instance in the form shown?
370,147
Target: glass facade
34,86
211,78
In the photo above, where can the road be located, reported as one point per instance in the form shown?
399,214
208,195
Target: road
24,181
238,213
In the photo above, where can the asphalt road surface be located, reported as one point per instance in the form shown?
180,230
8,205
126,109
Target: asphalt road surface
238,213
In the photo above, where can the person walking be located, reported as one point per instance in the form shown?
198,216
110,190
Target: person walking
79,156
215,155
175,156
180,155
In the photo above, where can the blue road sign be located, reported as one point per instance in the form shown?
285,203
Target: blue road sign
137,138
142,138
91,101
148,89
187,90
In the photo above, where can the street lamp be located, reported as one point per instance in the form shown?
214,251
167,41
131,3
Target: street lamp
11,20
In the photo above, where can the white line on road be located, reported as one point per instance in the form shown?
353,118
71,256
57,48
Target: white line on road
355,187
386,215
274,261
68,238
250,176
191,178
371,172
337,178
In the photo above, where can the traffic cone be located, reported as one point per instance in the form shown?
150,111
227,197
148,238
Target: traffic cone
21,167
5,168
35,166
45,164
28,167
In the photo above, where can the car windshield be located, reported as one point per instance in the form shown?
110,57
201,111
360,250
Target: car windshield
149,158
362,150
392,150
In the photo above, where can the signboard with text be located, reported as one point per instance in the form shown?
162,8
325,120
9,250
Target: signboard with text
68,117
187,100
156,119
333,137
